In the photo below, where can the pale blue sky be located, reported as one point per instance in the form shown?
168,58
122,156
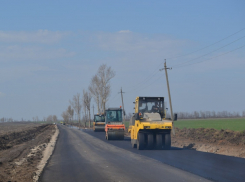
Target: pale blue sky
50,50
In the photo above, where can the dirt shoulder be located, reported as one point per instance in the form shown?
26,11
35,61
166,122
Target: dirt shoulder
223,142
21,150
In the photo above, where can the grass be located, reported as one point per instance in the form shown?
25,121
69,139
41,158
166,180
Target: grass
235,124
126,123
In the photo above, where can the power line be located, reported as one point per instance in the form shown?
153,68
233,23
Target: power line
207,45
209,52
146,79
211,57
142,88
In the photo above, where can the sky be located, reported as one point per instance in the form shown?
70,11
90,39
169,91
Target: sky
49,51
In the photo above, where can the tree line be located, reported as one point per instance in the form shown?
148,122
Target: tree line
209,114
50,119
99,90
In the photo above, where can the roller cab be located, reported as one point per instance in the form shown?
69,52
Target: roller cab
149,129
99,122
114,126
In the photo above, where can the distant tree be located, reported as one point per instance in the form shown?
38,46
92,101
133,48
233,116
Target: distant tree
94,89
10,120
65,115
203,114
50,118
243,113
77,106
196,114
70,111
105,74
213,114
86,105
55,118
128,116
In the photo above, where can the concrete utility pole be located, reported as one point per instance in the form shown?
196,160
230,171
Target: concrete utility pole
122,103
169,96
93,110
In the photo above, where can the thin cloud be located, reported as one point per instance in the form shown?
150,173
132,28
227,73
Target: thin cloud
40,36
16,52
17,72
124,31
126,41
2,94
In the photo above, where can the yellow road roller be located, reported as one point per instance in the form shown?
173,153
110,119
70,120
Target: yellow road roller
148,127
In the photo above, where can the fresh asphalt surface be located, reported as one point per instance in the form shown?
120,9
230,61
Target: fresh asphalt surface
86,156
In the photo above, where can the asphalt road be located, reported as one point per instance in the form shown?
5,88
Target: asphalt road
87,156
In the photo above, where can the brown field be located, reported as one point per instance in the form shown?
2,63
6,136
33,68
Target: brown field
21,146
16,126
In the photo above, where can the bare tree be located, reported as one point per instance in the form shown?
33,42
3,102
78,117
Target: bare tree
94,89
105,74
65,116
70,111
89,97
50,118
10,120
86,105
55,118
77,106
196,114
128,116
84,119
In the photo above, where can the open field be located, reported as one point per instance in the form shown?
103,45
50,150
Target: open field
235,124
10,127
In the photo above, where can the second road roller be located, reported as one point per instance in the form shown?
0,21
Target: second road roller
99,122
114,127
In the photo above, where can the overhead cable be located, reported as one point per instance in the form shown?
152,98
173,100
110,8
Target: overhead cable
209,52
206,46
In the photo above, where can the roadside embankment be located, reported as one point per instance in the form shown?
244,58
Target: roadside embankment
225,142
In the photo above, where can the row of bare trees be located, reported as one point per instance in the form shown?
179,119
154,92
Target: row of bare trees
99,89
3,119
209,114
68,114
50,119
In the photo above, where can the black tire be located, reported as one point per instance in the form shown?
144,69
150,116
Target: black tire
141,141
150,142
167,141
159,141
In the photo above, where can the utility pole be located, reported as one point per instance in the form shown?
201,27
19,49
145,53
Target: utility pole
122,103
93,110
169,96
